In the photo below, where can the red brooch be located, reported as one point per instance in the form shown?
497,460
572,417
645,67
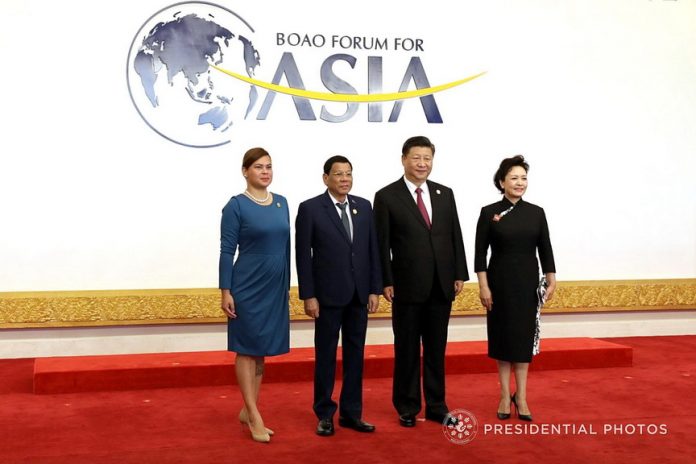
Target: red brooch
498,217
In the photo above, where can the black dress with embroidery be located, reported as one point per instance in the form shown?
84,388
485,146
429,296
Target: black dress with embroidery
513,274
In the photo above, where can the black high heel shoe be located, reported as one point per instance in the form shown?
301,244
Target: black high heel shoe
524,417
504,415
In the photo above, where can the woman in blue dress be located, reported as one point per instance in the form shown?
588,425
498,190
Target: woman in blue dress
254,288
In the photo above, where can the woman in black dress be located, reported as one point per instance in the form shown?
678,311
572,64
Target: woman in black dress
514,230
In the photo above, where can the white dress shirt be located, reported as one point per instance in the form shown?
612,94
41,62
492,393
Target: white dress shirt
348,212
425,194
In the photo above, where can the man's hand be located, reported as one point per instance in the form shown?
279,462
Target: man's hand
372,303
458,287
388,293
311,307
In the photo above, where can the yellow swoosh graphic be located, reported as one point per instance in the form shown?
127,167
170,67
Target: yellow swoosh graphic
349,98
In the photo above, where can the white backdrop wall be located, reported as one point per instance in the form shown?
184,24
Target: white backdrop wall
599,96
30,343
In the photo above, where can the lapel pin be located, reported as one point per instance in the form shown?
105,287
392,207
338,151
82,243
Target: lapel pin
278,205
355,211
437,191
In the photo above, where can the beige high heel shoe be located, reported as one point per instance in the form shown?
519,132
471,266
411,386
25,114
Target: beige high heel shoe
244,420
261,438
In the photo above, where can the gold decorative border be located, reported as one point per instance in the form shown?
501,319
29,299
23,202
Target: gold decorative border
188,306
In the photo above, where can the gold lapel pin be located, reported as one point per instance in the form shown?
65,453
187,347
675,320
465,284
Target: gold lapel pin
355,211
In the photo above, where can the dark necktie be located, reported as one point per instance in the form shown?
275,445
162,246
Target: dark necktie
421,206
344,218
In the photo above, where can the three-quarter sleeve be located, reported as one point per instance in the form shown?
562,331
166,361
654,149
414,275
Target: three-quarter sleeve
229,237
482,242
544,246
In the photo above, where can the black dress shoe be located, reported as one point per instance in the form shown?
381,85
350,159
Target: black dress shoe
356,424
442,418
325,428
407,420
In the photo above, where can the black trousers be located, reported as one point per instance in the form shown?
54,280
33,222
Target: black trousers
413,323
351,321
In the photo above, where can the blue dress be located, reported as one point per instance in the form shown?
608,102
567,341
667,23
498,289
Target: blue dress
260,277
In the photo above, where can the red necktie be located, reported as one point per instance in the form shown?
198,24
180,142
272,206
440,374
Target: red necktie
421,206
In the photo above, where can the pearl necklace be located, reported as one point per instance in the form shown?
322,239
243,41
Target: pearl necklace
260,201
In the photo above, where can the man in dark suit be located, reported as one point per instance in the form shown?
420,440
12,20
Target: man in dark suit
423,269
340,281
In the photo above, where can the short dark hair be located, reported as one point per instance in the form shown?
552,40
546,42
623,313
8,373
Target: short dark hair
253,155
335,159
417,141
505,166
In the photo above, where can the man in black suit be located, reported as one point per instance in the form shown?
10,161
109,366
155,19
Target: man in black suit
423,269
340,281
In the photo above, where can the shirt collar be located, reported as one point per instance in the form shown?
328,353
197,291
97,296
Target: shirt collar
412,187
334,201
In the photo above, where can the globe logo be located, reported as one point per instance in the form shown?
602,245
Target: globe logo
170,79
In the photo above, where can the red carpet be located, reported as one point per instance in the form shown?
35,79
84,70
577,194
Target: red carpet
197,425
160,370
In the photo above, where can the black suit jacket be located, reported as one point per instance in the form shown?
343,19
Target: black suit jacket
411,254
329,266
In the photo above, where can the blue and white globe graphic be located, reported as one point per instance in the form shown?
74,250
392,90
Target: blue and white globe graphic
171,81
